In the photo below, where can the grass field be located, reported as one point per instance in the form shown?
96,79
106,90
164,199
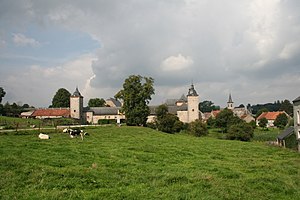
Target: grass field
141,163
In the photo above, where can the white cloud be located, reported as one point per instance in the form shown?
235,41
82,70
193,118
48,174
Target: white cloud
37,85
176,63
21,40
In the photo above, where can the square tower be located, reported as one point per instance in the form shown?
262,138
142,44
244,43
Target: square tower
193,104
76,105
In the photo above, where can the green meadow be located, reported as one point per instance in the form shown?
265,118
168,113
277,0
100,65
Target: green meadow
141,163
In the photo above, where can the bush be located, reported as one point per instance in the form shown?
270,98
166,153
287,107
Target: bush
167,123
252,124
106,121
241,131
152,125
198,128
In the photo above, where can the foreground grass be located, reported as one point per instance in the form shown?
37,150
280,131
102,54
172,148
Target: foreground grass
140,163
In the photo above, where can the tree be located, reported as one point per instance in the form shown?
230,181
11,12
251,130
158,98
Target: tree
136,94
281,120
207,106
263,123
169,124
241,131
161,111
225,119
198,128
96,102
2,94
61,99
287,107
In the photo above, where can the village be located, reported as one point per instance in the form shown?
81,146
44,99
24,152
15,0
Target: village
186,108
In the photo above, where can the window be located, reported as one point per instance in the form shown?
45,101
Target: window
298,117
74,110
193,110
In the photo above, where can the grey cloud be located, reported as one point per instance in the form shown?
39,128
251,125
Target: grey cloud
234,45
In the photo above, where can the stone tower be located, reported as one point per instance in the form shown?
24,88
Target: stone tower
193,104
230,103
76,105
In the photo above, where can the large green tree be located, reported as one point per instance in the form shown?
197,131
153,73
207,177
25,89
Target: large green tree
287,106
96,102
225,119
2,94
207,106
61,99
281,120
136,95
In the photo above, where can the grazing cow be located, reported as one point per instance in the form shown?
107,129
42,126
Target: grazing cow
75,132
44,136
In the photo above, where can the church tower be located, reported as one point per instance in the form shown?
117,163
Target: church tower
230,103
193,104
76,105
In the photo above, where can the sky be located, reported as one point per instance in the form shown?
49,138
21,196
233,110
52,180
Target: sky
249,48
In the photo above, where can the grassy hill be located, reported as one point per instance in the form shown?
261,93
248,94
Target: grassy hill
141,163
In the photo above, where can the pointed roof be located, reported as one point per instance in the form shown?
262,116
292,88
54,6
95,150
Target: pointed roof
269,115
230,99
182,98
192,91
76,93
297,99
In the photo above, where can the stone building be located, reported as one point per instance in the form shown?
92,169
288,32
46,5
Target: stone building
296,108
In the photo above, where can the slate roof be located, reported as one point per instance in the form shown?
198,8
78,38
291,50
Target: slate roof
171,109
52,112
76,93
297,99
115,101
192,91
171,102
104,110
269,115
230,99
287,132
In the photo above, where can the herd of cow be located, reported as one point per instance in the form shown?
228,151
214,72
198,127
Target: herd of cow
72,133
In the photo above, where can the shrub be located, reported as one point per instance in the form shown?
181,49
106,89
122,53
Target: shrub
263,123
106,121
152,125
252,124
241,131
198,128
167,123
211,122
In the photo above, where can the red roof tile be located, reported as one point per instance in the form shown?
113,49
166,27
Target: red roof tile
269,115
52,112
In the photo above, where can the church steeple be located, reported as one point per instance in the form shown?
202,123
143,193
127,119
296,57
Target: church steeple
230,102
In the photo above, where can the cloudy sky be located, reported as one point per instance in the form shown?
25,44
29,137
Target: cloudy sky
250,48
